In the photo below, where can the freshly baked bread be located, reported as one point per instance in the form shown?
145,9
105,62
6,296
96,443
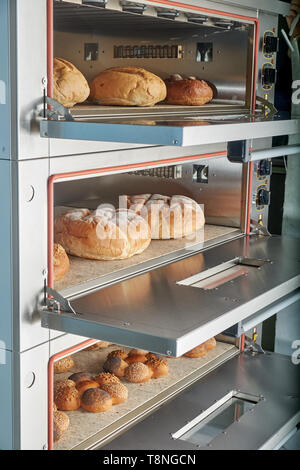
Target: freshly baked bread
105,234
81,377
115,365
187,91
117,391
85,385
127,86
158,366
66,396
63,365
118,353
97,346
168,217
69,85
198,351
210,344
61,262
96,400
136,355
60,424
106,377
138,373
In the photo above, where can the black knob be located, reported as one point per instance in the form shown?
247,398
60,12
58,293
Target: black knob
264,168
269,76
271,44
263,197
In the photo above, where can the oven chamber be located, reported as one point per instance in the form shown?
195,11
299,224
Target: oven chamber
76,163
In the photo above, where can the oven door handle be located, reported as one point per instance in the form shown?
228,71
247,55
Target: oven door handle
239,152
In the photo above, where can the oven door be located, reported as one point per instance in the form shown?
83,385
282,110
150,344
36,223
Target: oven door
174,308
186,128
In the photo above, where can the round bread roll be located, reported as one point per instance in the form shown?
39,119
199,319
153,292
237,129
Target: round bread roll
198,351
168,217
85,385
63,365
69,85
127,86
97,346
188,91
115,365
136,355
118,353
105,234
61,423
158,366
106,377
138,373
96,400
117,391
61,263
66,396
81,377
210,344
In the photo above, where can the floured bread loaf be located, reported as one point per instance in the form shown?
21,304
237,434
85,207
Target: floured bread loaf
105,234
168,217
69,85
127,86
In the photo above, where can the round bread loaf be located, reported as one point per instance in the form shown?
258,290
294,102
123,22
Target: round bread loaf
168,217
69,85
136,355
66,396
159,367
106,377
60,424
118,353
105,234
117,391
96,400
138,373
115,365
127,86
61,262
188,91
63,365
210,344
97,346
81,377
198,351
85,385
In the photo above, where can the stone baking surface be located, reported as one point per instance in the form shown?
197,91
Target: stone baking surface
84,424
83,270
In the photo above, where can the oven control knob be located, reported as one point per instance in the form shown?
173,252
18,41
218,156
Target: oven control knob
268,76
270,45
263,197
264,168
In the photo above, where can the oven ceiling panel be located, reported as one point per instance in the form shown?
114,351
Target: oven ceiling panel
168,311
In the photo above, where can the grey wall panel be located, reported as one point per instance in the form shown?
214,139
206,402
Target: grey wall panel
6,402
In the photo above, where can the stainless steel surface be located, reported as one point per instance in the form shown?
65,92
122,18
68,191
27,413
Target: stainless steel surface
274,152
258,375
154,312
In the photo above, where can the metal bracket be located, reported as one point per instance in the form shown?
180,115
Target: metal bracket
57,302
258,228
253,347
56,110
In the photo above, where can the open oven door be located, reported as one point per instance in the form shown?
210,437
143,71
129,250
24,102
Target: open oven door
167,125
174,308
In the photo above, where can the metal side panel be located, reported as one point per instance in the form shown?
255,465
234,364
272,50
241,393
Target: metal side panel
153,311
183,131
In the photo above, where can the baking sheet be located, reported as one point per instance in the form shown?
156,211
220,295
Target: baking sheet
84,424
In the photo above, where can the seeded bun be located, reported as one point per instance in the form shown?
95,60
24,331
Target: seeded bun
117,391
85,385
61,423
63,365
198,351
138,373
115,365
80,377
118,353
106,377
96,400
136,355
66,396
158,366
97,346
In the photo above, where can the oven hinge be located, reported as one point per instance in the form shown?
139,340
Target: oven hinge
257,228
55,111
252,346
56,302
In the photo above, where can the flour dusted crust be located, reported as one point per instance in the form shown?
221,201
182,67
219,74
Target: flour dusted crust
127,86
188,91
105,234
168,217
69,85
61,263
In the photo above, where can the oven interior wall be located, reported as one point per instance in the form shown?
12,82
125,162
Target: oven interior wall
215,183
88,36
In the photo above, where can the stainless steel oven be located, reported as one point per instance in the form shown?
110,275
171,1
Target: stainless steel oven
178,293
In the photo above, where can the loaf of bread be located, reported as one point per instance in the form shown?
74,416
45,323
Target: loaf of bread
168,217
187,91
61,263
69,85
105,234
127,86
63,365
